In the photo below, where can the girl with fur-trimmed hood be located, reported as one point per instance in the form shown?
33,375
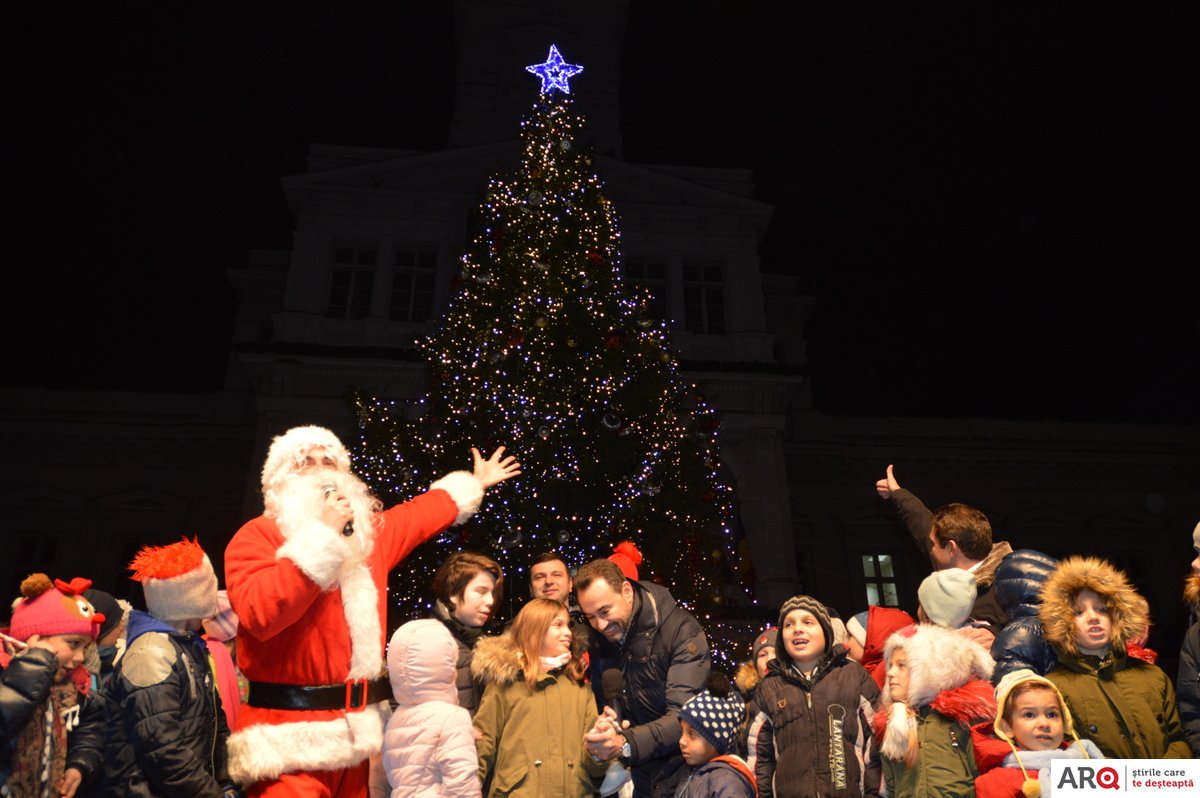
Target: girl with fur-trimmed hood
535,709
1126,706
936,690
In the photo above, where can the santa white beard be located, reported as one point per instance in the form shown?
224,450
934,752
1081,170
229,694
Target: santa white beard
299,501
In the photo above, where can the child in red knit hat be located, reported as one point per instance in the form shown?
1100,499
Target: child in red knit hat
51,731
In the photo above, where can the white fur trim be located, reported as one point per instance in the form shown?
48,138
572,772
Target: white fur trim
464,489
938,659
266,751
895,736
288,449
316,550
360,603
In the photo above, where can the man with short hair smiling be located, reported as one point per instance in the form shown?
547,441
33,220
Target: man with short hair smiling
664,660
550,578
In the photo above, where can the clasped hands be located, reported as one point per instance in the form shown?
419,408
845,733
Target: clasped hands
604,740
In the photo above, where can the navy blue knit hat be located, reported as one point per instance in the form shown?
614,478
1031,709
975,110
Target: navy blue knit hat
716,713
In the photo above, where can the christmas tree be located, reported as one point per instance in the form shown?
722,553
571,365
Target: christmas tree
547,350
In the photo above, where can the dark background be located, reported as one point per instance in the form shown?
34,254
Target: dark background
993,203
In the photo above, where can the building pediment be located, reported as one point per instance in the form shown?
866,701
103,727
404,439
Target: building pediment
467,171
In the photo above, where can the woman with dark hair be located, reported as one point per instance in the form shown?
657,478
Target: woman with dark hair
466,588
535,709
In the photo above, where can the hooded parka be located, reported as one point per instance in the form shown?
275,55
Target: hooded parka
947,693
1124,705
531,743
428,746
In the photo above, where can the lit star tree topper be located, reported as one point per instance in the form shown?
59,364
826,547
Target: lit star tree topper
547,349
555,72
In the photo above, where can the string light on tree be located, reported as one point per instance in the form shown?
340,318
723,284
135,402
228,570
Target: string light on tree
546,349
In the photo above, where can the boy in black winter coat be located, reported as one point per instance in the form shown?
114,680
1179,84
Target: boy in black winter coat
816,738
51,730
169,736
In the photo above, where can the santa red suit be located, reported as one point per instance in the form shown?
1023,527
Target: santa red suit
310,602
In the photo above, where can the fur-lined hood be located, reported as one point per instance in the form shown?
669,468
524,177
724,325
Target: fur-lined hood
746,678
985,574
1191,592
497,659
1075,574
939,659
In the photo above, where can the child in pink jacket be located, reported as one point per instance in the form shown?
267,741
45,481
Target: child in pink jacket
428,746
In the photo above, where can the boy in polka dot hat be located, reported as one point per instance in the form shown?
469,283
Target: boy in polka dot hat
709,722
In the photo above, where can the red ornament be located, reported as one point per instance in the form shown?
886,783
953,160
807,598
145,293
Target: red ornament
594,256
614,339
516,337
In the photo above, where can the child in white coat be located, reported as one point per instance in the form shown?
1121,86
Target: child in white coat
428,746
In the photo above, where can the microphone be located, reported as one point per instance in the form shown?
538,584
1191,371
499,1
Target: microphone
612,687
327,490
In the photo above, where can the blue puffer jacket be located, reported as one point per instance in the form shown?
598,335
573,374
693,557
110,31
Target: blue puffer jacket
1020,644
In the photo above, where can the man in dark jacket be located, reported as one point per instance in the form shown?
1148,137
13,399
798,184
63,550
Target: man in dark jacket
663,656
954,536
170,734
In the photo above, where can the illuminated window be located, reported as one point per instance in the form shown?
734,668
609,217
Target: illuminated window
879,574
351,280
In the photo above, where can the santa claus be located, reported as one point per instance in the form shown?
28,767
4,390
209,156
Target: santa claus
307,580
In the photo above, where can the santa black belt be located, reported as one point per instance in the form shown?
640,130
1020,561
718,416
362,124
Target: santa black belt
348,695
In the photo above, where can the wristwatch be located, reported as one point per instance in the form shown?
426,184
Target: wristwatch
626,751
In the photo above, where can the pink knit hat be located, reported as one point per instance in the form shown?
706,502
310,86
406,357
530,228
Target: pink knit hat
54,608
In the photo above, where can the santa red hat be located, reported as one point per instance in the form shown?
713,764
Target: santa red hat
178,580
627,558
287,453
54,608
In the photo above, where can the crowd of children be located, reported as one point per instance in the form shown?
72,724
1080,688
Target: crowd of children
129,702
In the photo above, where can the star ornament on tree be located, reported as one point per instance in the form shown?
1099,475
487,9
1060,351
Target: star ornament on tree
555,72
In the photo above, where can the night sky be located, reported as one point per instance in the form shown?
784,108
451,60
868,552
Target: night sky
993,203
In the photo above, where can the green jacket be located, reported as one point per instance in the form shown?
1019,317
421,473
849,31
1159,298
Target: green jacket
945,767
531,744
1122,704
